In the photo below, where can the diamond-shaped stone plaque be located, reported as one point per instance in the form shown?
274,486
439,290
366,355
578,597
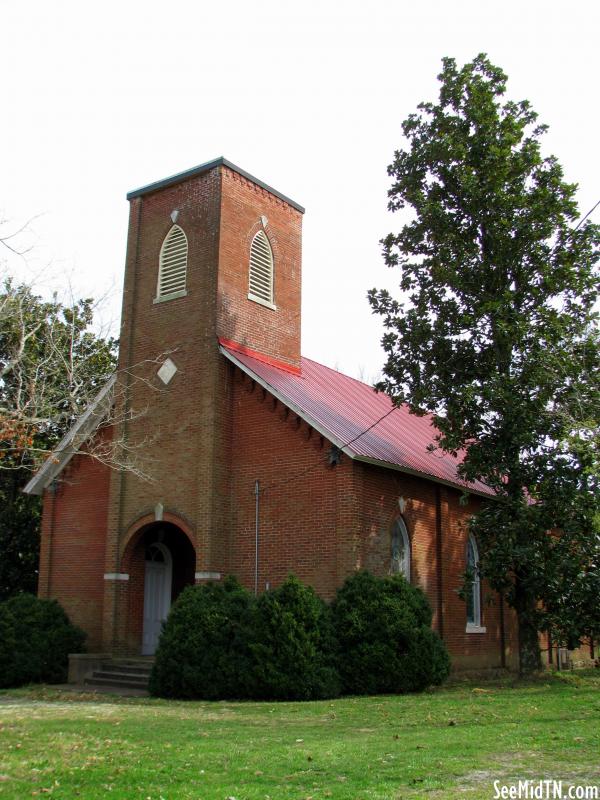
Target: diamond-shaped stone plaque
167,370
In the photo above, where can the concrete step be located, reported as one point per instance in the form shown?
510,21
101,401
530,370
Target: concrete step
117,683
126,668
126,673
113,675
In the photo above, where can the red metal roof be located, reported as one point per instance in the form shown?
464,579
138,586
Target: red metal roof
343,409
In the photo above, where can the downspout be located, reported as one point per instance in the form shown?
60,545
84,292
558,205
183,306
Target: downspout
256,533
438,555
52,490
502,633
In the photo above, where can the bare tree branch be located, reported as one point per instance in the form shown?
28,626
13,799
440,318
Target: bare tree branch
52,367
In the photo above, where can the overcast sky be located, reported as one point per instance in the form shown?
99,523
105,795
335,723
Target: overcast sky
101,98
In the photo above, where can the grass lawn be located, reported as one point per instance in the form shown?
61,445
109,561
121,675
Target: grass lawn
449,743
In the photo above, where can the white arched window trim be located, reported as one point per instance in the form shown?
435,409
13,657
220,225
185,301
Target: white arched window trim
261,271
474,596
172,266
400,564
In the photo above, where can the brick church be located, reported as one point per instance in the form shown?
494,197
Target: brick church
265,463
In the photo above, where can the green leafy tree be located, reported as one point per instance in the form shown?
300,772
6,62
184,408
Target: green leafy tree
51,365
496,336
19,535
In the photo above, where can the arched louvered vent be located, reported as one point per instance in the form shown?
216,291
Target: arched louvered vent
172,264
261,270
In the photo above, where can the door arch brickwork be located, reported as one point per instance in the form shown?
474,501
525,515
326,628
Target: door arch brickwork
176,538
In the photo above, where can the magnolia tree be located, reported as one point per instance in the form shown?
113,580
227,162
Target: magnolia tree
496,335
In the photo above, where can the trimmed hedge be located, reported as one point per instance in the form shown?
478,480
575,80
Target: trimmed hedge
203,651
221,642
386,644
292,645
36,638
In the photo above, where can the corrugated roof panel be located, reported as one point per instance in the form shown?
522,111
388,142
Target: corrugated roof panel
346,408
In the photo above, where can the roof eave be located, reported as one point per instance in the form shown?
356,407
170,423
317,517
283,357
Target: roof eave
425,475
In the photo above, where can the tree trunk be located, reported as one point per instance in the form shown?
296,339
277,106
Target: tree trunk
530,659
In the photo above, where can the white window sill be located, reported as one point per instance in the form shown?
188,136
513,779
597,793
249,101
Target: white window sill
262,302
163,298
475,628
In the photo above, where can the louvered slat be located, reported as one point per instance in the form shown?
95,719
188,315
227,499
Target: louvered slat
261,268
173,263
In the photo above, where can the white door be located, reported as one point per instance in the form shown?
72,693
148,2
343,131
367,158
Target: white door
157,594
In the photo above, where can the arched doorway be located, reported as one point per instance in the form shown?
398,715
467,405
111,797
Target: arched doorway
158,579
161,562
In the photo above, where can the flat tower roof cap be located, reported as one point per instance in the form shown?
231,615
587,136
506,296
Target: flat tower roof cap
190,173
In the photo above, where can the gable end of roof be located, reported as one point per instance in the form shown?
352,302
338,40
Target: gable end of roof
72,441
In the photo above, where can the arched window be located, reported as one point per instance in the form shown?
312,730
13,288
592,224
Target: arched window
158,553
172,265
473,587
260,278
400,563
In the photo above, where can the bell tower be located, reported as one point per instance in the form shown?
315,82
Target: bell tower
213,256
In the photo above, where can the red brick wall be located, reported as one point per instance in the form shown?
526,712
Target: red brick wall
322,522
299,499
73,544
275,333
316,521
381,492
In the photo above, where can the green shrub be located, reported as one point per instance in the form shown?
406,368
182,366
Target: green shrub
292,645
202,651
36,638
221,642
385,641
